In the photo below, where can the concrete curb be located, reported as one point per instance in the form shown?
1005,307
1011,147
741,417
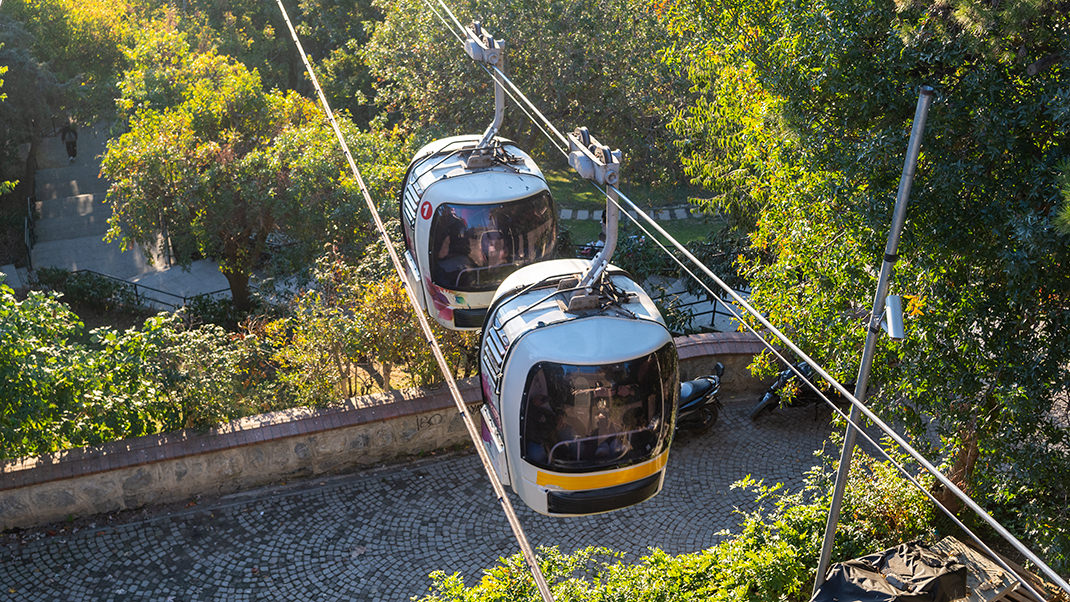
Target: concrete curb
661,214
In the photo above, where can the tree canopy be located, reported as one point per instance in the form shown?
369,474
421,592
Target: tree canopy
583,64
219,164
81,44
800,120
31,90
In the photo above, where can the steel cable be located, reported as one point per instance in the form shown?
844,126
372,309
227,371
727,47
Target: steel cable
889,431
473,433
511,90
840,412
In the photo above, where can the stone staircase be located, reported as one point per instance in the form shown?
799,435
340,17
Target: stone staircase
73,219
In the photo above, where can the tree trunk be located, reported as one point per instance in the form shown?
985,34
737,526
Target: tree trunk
961,473
239,289
377,378
387,369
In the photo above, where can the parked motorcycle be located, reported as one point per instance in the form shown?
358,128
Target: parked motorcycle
700,402
804,394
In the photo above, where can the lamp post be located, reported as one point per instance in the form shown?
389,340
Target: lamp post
925,99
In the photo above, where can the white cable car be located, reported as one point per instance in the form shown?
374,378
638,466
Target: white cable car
579,377
473,210
469,224
580,404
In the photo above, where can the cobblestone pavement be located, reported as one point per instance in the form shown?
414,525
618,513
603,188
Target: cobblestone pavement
377,534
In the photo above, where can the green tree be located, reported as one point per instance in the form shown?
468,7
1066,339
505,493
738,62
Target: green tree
64,387
253,32
334,32
31,91
219,164
591,64
81,42
800,118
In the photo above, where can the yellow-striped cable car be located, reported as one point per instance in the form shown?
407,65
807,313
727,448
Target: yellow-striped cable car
579,377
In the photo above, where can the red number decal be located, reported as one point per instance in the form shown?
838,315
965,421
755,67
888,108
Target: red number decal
425,210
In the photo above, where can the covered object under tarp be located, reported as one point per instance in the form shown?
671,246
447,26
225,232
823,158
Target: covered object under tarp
909,572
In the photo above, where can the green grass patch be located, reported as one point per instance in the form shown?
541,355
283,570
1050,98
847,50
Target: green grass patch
692,229
572,192
582,231
684,230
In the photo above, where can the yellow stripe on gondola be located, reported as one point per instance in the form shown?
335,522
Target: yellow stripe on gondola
606,479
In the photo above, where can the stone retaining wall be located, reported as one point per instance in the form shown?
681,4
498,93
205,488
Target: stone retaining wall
268,448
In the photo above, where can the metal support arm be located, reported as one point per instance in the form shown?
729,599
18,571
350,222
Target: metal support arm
594,161
890,256
484,48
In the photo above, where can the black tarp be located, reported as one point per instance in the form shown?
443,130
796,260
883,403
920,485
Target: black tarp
909,572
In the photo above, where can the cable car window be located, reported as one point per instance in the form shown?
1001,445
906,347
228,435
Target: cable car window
474,247
582,418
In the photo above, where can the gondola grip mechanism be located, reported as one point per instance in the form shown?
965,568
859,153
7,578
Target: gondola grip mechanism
592,160
484,48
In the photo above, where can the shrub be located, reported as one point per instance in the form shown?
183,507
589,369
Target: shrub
65,388
206,309
89,289
771,557
347,336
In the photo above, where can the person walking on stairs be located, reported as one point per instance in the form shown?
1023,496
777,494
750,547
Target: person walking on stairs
69,135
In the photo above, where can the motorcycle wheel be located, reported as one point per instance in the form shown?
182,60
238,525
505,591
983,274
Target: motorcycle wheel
712,413
698,422
706,418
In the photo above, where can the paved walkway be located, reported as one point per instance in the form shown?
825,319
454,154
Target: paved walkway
73,218
662,214
376,535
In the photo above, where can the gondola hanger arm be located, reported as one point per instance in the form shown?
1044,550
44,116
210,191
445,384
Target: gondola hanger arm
486,49
596,162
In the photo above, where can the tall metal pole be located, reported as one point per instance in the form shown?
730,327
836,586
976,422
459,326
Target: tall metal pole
890,257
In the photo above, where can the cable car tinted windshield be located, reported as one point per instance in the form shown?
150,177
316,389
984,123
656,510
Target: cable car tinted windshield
582,418
474,247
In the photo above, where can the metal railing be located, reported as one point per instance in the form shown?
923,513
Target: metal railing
29,187
146,296
29,236
669,301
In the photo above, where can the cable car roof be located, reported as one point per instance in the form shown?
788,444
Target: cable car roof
444,164
602,336
483,188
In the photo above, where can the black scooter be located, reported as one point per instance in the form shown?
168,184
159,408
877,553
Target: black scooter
700,403
805,394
